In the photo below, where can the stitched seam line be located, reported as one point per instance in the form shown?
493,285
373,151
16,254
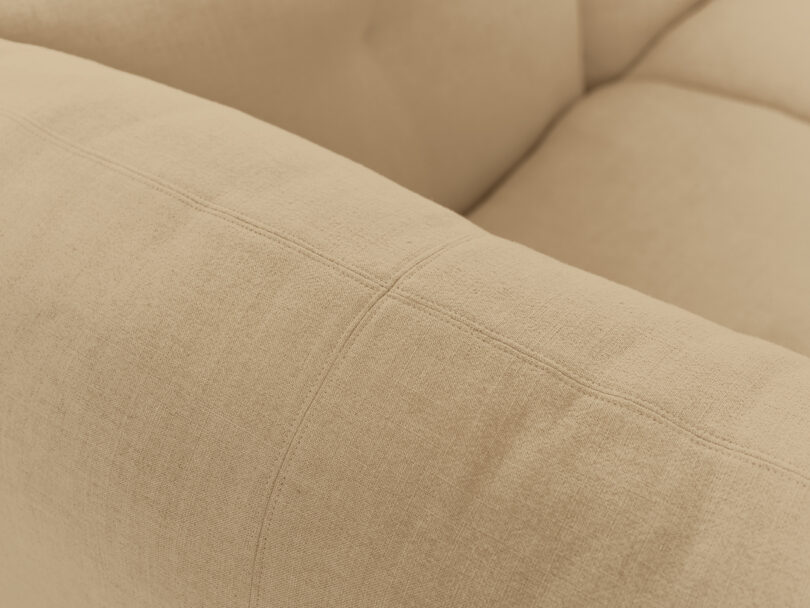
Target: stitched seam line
702,437
191,200
589,383
659,37
303,422
364,278
716,93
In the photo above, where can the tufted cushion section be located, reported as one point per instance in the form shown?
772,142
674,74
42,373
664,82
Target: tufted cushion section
616,32
443,97
695,199
239,370
750,49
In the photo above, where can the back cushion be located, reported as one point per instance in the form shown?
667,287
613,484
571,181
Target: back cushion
441,96
616,32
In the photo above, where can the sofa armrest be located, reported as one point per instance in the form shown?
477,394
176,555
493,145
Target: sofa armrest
239,370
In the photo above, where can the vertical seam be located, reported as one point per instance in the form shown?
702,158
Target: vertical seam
583,63
302,424
656,39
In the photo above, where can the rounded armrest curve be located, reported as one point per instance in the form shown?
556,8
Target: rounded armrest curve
237,369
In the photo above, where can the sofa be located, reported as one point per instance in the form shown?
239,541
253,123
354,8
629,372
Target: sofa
425,303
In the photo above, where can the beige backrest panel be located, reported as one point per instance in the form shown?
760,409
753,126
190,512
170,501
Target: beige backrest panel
614,32
442,97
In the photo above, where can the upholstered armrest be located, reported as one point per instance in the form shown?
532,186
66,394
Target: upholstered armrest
239,370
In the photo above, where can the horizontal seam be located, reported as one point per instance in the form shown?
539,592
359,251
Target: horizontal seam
563,369
693,87
560,367
302,423
364,278
193,201
701,436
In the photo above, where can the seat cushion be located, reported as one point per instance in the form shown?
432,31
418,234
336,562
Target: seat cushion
700,200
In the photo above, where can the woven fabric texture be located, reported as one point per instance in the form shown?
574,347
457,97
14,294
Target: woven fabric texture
239,370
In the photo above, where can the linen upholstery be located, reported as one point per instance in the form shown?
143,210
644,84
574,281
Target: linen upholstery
696,199
239,370
443,97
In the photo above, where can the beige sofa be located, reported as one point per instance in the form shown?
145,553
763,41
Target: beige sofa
239,369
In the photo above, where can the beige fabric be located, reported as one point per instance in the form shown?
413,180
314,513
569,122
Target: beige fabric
406,88
238,370
745,48
697,200
616,32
